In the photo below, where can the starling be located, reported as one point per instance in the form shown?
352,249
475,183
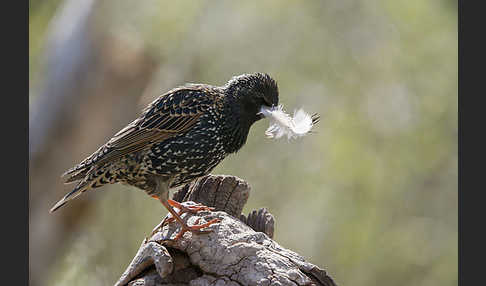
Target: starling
180,136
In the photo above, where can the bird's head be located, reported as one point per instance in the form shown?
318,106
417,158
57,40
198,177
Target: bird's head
251,92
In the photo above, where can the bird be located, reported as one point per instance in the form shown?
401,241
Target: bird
179,137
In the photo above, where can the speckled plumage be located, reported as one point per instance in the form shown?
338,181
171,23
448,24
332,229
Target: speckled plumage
179,137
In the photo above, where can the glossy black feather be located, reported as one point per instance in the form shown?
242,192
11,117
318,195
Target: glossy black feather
180,136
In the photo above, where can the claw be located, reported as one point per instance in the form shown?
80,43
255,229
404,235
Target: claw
189,207
185,207
196,229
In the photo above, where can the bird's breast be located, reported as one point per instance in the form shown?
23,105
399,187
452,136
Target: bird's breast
189,155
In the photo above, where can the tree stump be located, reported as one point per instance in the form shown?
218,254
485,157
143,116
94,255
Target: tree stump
239,250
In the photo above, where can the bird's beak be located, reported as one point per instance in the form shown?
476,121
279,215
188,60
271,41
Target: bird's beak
260,115
263,109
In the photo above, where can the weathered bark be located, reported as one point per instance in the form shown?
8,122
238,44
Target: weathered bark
238,250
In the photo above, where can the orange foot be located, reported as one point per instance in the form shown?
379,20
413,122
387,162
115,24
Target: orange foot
196,229
185,207
191,207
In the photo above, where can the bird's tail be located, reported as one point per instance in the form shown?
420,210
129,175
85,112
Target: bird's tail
78,190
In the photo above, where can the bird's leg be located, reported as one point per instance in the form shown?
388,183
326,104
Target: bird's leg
163,192
194,228
187,207
184,208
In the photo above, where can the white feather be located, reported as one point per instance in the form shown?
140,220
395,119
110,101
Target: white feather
282,124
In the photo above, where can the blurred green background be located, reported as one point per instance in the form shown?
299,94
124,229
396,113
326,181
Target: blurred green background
371,197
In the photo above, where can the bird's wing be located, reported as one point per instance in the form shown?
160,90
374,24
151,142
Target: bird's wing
171,114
